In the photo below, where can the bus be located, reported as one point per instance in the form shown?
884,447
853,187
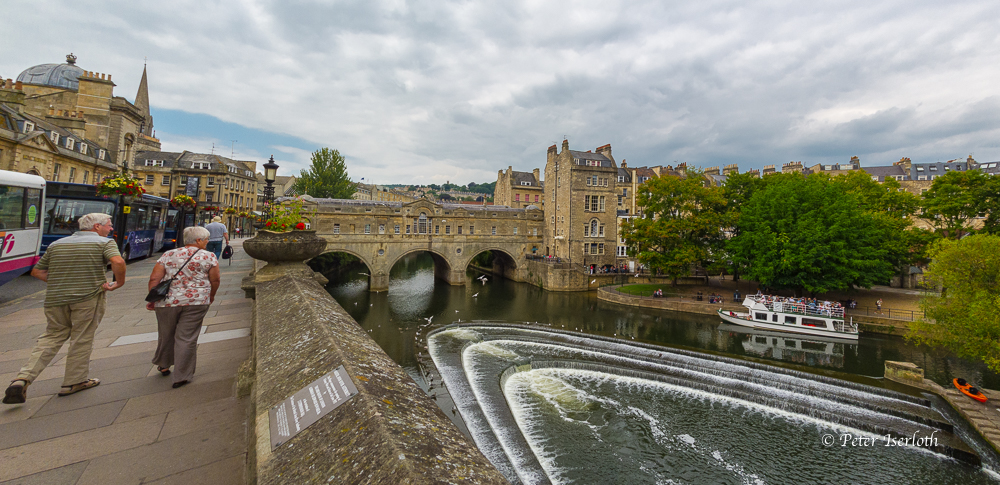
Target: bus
21,198
138,225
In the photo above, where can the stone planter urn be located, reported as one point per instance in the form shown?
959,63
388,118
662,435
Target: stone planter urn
285,253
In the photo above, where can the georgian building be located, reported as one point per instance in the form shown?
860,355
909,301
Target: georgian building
518,189
580,212
212,180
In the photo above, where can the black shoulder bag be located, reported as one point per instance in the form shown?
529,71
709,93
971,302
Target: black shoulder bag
160,291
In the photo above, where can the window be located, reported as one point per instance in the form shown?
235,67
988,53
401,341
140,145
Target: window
515,230
86,175
920,169
526,183
422,224
100,154
154,163
600,248
932,168
183,180
201,165
150,179
517,197
72,174
70,143
211,182
209,196
381,228
459,229
494,230
472,230
437,229
790,320
536,198
534,232
921,177
165,180
621,179
55,172
407,228
395,229
54,137
336,228
368,228
621,250
760,316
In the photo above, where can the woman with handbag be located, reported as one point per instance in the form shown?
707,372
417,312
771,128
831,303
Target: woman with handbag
182,286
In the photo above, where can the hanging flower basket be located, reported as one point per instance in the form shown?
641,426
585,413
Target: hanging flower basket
210,208
182,201
244,214
121,184
230,210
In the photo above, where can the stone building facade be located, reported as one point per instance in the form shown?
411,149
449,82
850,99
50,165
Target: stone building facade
519,189
380,193
212,180
580,213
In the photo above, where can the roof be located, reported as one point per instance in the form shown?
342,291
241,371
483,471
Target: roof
623,172
885,171
64,76
520,177
580,156
44,128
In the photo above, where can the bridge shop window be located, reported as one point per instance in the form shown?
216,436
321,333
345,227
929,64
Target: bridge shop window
336,228
395,229
494,230
515,230
472,229
459,229
368,228
407,228
447,229
381,228
437,229
422,224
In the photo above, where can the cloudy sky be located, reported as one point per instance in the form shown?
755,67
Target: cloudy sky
429,91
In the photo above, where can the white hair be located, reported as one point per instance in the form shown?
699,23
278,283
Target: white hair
194,233
88,221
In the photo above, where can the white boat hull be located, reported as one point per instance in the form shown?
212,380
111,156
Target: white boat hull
743,319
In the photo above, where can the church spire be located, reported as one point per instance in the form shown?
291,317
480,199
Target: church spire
142,97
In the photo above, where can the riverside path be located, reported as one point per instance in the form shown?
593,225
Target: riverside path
133,428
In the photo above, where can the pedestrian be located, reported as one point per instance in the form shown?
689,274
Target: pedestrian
237,233
179,316
736,295
217,234
878,305
74,271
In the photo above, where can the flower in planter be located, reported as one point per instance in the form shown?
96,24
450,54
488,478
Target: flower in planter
121,184
183,201
287,215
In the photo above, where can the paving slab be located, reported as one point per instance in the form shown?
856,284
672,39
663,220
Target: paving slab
63,474
47,427
190,395
45,455
147,463
225,411
10,414
230,471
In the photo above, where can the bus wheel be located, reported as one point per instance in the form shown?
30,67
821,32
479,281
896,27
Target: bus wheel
125,253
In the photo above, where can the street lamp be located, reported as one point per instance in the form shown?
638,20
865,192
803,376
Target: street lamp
270,173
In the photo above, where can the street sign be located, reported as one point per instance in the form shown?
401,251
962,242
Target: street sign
308,405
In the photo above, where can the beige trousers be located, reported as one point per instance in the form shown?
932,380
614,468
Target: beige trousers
177,345
76,322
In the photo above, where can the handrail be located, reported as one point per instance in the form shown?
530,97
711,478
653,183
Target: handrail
783,306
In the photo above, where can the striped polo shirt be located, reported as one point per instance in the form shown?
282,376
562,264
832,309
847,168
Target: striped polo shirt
76,266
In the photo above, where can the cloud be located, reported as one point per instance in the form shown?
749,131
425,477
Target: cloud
431,91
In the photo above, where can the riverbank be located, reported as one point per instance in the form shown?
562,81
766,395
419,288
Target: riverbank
684,298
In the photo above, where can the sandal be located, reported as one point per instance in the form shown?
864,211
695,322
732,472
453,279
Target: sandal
179,384
75,388
16,394
164,371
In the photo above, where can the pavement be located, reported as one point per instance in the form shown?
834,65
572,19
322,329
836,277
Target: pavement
133,428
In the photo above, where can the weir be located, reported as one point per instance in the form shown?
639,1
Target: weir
478,360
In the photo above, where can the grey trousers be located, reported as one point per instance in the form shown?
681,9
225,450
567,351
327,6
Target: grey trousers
178,328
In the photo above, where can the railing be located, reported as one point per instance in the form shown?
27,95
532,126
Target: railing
799,308
890,313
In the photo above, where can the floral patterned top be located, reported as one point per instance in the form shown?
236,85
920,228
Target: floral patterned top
191,286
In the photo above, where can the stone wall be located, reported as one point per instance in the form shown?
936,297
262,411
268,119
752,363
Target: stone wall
390,432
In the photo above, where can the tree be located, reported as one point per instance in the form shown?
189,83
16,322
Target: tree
965,318
809,234
737,192
990,200
326,178
680,224
954,199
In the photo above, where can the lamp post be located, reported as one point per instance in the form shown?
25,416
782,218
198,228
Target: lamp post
270,173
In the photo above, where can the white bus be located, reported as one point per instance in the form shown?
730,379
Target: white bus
21,197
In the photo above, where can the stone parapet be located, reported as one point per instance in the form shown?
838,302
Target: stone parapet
390,432
673,304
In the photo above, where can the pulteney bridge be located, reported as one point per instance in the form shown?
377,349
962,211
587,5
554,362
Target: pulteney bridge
381,233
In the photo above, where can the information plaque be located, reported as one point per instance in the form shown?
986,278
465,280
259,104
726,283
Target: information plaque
308,405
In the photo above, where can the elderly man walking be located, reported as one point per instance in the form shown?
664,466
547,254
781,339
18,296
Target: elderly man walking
74,268
217,232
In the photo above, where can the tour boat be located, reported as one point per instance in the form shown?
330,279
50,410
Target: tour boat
774,313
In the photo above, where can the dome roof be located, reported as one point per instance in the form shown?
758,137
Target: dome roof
532,207
56,75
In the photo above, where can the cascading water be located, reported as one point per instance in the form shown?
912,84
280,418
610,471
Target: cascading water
551,406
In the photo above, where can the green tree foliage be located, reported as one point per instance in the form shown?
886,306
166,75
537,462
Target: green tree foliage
990,200
326,176
737,192
965,318
681,223
955,198
810,234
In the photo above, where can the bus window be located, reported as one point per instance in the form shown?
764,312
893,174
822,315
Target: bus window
61,215
11,205
33,208
156,215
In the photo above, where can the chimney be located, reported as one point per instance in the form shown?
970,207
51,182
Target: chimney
565,145
536,174
712,171
768,169
732,168
552,149
623,164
